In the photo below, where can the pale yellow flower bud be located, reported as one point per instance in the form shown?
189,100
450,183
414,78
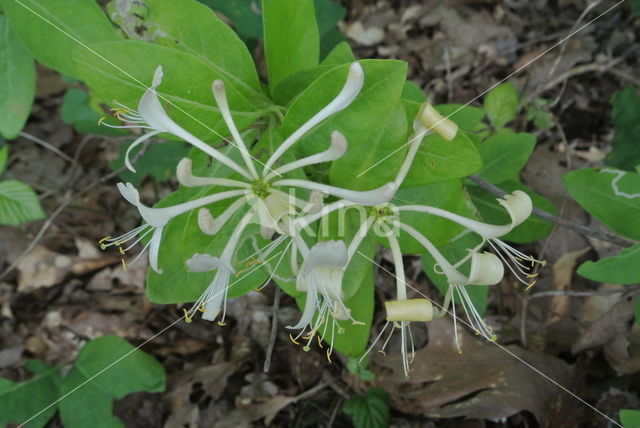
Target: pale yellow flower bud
409,310
436,122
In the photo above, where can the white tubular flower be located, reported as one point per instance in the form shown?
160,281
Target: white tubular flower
210,301
486,269
519,207
151,115
377,196
184,173
154,220
215,295
337,149
355,80
400,313
221,99
321,278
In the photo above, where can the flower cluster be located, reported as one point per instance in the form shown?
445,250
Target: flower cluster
262,193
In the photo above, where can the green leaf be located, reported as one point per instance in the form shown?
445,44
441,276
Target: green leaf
623,268
630,418
361,122
196,29
502,104
468,118
291,38
115,369
504,155
159,161
448,195
453,251
186,84
625,116
51,29
340,54
4,154
370,410
328,14
360,369
439,160
292,85
18,76
391,136
78,111
18,203
595,190
531,230
20,401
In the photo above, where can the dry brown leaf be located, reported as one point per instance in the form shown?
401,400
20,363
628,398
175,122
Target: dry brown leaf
562,272
45,268
187,389
614,332
483,382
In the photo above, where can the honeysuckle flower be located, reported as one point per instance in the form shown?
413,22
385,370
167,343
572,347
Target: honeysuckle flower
519,207
271,206
486,269
152,116
155,219
321,277
215,295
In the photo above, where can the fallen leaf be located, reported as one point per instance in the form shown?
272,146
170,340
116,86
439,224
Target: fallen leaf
45,268
563,270
615,332
483,382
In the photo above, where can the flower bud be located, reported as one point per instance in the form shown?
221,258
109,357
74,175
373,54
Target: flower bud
486,269
409,310
433,120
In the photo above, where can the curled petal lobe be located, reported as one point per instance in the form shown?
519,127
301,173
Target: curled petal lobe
130,193
518,205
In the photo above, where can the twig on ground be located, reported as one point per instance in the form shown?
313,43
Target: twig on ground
48,146
274,329
584,230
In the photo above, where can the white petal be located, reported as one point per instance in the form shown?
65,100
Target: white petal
203,263
185,176
332,254
377,196
518,205
486,269
129,192
335,151
221,99
309,310
154,249
352,86
136,143
215,295
159,217
409,310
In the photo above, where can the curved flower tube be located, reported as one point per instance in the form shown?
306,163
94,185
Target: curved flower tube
351,89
